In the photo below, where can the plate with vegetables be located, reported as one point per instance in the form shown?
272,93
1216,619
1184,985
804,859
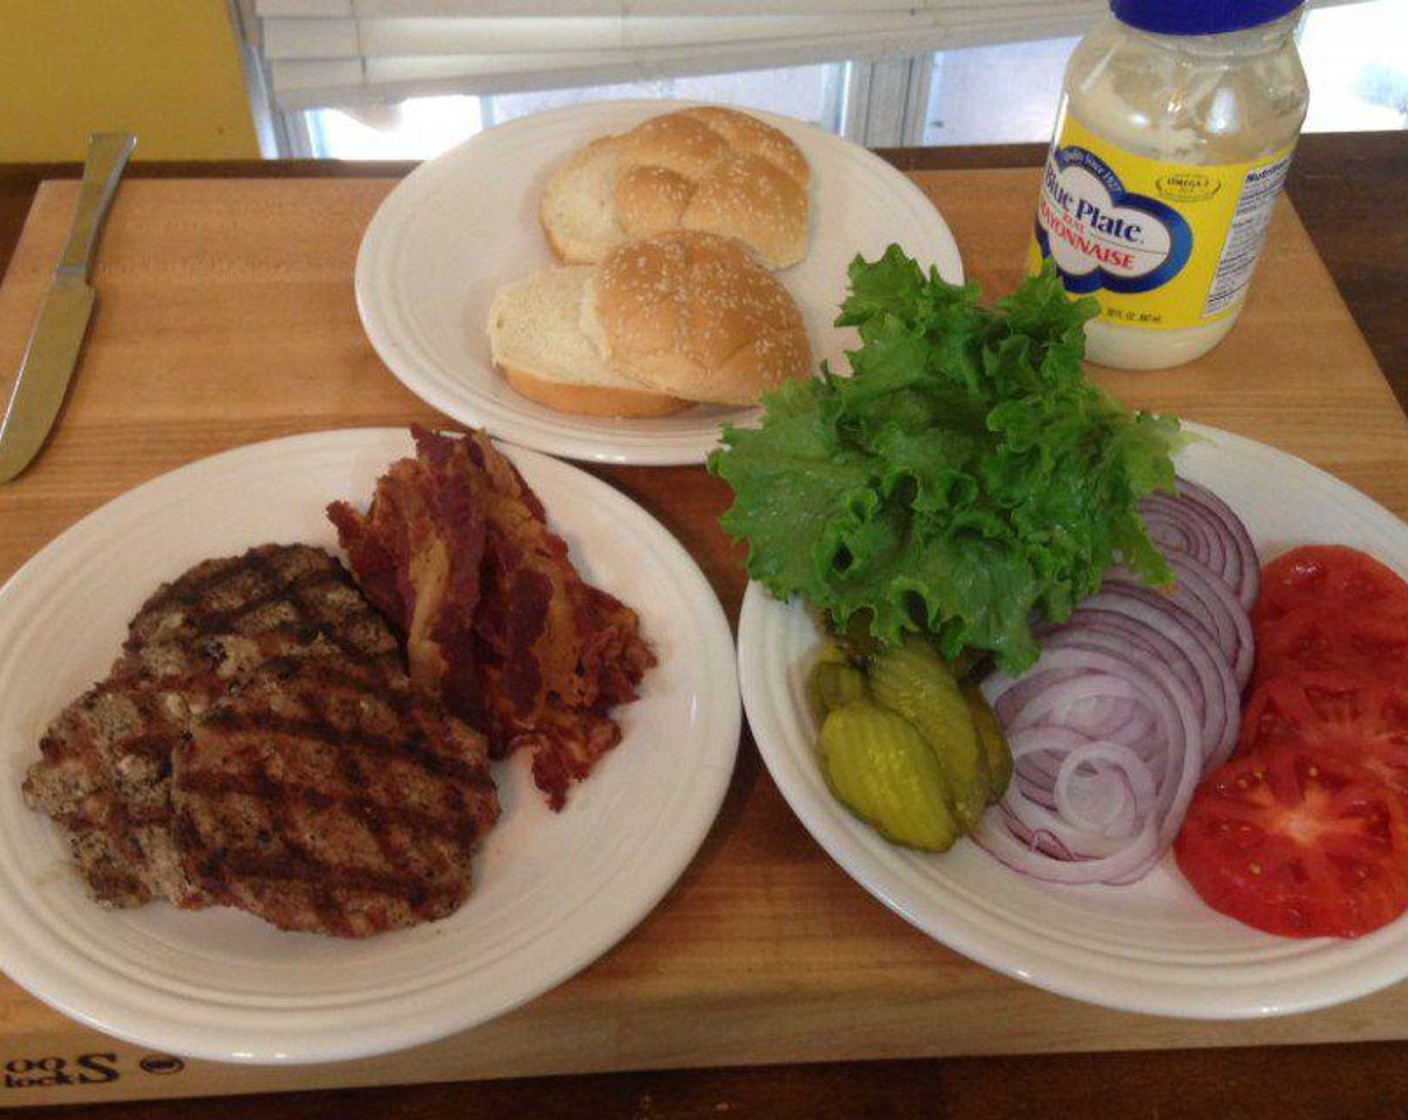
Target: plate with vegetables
1104,702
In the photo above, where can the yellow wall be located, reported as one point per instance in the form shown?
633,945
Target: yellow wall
168,70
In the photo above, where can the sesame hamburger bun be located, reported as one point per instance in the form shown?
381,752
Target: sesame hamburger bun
707,169
694,316
536,341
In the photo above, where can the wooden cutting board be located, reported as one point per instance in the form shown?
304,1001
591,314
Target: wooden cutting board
227,316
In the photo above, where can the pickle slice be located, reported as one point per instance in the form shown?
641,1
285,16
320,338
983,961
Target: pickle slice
879,766
913,680
993,741
833,685
825,688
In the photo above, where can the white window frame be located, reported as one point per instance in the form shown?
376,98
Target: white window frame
886,102
883,104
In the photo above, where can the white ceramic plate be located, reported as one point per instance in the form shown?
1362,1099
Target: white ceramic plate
1152,946
552,891
463,224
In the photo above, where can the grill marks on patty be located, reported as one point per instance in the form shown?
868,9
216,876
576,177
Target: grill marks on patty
328,798
294,594
105,775
106,770
275,652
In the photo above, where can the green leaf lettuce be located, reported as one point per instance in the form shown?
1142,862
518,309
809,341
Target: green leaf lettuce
964,480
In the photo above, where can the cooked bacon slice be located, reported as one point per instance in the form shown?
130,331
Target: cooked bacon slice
456,551
417,556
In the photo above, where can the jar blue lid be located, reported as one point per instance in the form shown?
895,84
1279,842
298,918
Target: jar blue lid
1199,17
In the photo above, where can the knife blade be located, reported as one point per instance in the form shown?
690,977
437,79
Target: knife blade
57,338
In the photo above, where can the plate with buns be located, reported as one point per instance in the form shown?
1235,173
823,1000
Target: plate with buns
612,282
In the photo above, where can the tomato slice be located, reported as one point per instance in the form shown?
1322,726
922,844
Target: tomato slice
1298,844
1330,576
1352,717
1319,639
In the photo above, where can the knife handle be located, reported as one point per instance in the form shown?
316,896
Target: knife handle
107,156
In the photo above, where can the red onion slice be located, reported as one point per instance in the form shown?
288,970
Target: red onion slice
1089,704
1241,540
1206,597
1132,700
1030,858
1207,677
1106,789
1180,526
1138,791
1157,612
1230,619
1198,524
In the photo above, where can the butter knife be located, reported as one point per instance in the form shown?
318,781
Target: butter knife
54,345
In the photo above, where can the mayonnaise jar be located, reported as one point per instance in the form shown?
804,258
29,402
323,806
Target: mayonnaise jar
1173,140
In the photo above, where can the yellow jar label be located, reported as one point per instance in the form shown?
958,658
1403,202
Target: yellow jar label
1160,245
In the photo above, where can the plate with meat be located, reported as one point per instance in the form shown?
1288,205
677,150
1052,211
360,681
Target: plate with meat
327,774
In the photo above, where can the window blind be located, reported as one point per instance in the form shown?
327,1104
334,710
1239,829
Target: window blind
348,52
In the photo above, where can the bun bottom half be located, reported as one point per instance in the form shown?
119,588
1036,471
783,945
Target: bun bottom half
593,400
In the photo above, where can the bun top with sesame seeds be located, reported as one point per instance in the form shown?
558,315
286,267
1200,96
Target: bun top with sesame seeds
708,169
693,315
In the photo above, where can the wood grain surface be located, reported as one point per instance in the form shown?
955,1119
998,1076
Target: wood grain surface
227,317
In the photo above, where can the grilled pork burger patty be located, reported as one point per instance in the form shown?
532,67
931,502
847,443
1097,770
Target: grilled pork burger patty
102,777
106,770
325,796
292,594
